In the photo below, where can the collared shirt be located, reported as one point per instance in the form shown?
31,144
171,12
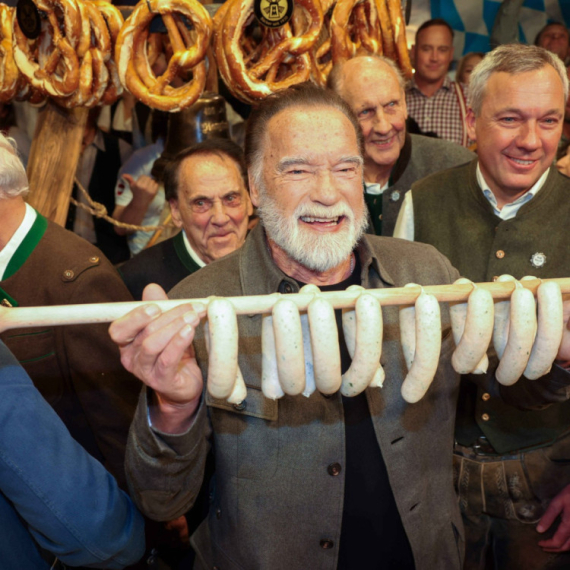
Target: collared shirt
440,113
191,251
405,225
10,248
375,188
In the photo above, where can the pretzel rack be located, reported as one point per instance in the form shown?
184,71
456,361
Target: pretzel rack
25,317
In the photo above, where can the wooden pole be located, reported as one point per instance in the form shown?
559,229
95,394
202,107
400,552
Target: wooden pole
54,155
22,317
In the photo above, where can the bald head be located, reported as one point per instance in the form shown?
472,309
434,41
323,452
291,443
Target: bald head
375,90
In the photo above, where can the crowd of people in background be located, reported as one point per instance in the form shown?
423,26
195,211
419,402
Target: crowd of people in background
475,164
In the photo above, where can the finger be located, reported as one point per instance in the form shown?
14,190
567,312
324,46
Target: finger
162,350
154,292
126,328
550,515
128,179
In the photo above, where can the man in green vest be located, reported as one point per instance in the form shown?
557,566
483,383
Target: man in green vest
374,87
507,213
206,186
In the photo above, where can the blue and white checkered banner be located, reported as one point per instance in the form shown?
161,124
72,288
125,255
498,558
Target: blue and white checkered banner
472,20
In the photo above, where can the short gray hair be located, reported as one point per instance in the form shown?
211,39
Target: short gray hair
13,179
334,80
512,59
297,96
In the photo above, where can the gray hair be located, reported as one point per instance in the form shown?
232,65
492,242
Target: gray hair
13,179
512,59
334,80
302,95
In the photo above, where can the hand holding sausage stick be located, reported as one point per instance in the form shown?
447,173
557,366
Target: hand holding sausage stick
157,348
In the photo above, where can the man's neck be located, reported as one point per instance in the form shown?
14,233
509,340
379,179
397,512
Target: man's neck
303,274
12,212
376,173
428,88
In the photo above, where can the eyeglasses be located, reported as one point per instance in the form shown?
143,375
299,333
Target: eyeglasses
203,205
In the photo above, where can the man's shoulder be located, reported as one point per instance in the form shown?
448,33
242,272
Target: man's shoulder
445,150
443,179
221,277
409,261
149,256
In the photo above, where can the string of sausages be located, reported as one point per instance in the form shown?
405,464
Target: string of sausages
300,341
86,54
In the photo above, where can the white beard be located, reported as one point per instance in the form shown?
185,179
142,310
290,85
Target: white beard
314,250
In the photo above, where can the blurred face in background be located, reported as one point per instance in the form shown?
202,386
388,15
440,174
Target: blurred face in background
471,60
432,53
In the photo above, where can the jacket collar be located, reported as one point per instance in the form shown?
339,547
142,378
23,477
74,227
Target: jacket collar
259,275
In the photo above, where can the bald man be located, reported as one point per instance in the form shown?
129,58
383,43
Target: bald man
374,88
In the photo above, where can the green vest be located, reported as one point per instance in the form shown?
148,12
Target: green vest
452,214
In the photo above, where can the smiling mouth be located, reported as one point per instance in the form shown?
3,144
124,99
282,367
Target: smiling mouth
384,142
322,221
522,161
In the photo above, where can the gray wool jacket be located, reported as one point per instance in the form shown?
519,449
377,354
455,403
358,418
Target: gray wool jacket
273,501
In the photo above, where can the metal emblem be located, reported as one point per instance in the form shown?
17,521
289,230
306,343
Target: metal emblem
273,13
537,259
395,196
28,17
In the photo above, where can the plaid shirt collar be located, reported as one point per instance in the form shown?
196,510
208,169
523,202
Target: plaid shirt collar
447,85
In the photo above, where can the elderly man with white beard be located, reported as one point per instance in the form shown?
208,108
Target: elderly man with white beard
318,482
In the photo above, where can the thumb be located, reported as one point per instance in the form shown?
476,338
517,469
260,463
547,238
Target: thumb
552,512
128,178
154,292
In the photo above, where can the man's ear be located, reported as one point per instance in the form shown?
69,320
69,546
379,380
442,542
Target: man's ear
413,55
470,121
175,213
253,190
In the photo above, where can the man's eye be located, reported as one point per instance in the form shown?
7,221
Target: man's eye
365,113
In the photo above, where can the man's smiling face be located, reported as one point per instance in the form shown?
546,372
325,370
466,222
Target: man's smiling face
518,129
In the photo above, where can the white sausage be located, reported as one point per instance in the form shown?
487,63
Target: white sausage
368,346
428,348
349,331
307,350
239,393
223,344
521,336
289,347
550,330
502,318
325,347
269,376
407,316
472,325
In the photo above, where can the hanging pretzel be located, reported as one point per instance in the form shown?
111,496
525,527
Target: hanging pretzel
54,68
93,51
189,52
114,20
9,74
399,34
321,57
280,60
354,29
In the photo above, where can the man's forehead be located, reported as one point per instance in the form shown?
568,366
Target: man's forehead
429,35
380,79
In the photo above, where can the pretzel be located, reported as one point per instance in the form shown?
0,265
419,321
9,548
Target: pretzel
54,68
354,29
321,57
399,27
386,31
280,60
9,74
131,54
94,49
114,20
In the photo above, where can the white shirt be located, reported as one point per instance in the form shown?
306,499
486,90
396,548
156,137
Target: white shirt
375,188
405,224
191,251
10,248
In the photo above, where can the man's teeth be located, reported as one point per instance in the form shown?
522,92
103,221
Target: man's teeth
523,162
310,220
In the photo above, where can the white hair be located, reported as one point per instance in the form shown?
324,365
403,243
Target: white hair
13,179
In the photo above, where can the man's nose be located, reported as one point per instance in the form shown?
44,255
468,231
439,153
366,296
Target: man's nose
325,190
219,213
529,136
381,123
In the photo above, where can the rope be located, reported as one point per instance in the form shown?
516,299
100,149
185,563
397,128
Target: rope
98,210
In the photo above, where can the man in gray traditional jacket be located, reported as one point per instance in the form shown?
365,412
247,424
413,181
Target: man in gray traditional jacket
375,89
319,482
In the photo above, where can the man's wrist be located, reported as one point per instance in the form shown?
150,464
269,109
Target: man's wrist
172,417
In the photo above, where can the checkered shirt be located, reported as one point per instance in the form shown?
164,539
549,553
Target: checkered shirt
438,114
